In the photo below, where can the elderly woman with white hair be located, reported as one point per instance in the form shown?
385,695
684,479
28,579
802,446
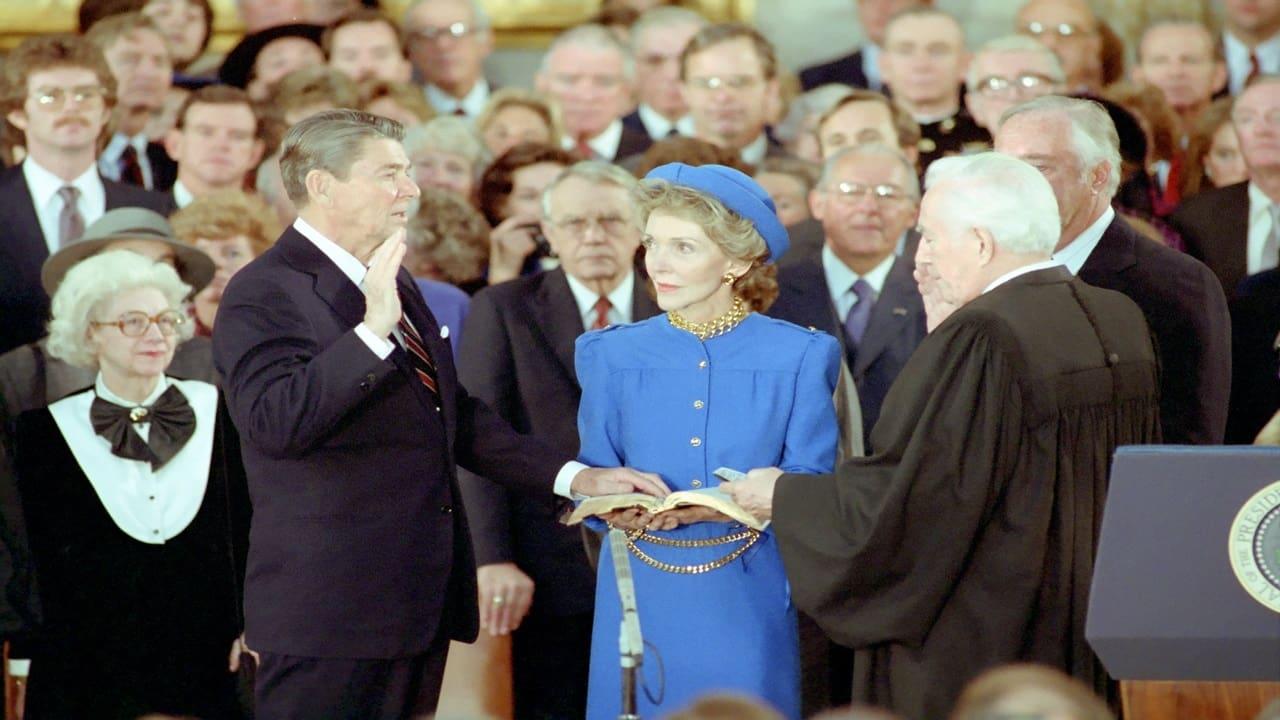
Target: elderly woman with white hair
447,154
132,513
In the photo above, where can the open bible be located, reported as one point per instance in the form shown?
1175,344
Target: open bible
712,497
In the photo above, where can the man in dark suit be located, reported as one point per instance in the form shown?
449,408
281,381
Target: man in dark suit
590,73
215,141
1235,229
517,356
1180,297
447,42
1255,354
58,93
657,39
860,69
135,51
352,423
859,289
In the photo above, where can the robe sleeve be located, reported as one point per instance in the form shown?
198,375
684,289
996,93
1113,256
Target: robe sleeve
812,429
874,550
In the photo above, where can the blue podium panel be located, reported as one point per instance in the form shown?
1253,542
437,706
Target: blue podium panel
1187,580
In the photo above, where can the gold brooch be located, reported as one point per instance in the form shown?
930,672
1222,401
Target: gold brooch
137,414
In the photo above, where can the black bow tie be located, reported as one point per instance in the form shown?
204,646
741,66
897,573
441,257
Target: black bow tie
172,424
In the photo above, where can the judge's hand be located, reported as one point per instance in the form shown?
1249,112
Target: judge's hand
613,481
505,596
628,519
755,494
936,308
509,244
672,519
238,648
381,298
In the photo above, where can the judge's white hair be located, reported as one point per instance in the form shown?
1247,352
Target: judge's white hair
1001,194
92,283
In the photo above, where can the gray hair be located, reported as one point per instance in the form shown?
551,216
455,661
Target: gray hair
447,133
1001,194
912,183
331,141
595,37
595,172
661,17
92,283
1093,133
1012,44
811,104
478,16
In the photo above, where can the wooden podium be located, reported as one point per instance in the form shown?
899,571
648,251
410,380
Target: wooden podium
1184,608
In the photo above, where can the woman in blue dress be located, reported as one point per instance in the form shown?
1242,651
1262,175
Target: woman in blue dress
711,383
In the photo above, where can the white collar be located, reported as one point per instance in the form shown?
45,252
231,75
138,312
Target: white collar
659,127
756,150
1237,54
120,141
585,298
181,195
1016,272
1259,203
1077,252
871,65
104,392
44,185
605,145
471,103
840,277
349,264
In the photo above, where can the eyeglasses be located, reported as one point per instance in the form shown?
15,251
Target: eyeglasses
884,192
432,34
612,225
733,82
136,323
996,85
55,98
1246,118
1062,30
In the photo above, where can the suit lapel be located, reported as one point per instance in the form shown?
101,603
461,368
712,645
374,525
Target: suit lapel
1114,254
891,315
556,315
334,288
28,245
808,285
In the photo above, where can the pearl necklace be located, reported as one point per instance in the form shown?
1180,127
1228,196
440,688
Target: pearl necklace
711,328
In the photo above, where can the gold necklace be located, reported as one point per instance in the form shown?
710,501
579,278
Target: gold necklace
711,328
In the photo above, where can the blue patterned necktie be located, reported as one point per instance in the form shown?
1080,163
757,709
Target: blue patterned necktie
855,323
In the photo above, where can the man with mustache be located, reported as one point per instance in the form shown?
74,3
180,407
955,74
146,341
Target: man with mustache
57,92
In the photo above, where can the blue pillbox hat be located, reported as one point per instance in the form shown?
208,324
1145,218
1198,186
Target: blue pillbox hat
736,191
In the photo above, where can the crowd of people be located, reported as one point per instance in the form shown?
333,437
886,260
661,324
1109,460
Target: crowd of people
306,348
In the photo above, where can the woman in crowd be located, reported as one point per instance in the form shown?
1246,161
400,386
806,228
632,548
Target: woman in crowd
447,241
710,383
511,200
135,522
446,154
233,228
1213,151
514,116
402,102
789,181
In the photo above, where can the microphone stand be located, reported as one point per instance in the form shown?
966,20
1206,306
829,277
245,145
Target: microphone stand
630,641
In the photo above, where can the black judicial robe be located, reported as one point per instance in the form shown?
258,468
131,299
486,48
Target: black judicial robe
968,540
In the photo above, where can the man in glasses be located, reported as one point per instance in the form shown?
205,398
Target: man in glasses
1070,29
729,74
58,93
923,64
1007,71
657,40
448,41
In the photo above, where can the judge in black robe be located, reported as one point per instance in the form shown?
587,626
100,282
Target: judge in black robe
967,541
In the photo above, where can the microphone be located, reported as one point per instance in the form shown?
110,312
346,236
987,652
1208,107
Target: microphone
631,642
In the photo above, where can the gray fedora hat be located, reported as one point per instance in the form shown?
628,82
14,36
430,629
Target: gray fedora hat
194,266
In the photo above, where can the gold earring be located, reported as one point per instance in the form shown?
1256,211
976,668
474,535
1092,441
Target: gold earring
729,279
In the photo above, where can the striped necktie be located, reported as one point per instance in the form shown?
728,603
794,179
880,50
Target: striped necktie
423,366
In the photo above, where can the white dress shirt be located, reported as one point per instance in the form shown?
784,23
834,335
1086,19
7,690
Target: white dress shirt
840,280
1078,251
756,150
1259,230
871,66
659,127
471,103
1238,65
150,506
1042,265
181,195
355,271
605,145
620,300
109,160
44,185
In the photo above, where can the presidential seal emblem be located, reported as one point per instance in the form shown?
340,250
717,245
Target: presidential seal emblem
1254,546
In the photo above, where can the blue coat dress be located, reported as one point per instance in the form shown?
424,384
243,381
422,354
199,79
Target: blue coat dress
657,399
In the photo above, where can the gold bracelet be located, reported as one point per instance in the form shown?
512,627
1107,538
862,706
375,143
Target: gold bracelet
697,569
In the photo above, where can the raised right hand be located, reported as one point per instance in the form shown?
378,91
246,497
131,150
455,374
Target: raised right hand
381,298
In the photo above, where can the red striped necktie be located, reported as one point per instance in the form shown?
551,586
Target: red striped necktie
423,365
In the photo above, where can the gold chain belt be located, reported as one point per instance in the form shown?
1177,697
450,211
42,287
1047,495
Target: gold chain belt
749,536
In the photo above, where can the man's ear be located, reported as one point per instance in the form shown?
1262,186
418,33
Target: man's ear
18,119
173,144
986,245
817,204
319,185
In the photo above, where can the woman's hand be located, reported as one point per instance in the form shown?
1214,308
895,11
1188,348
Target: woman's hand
506,594
672,519
629,519
509,244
